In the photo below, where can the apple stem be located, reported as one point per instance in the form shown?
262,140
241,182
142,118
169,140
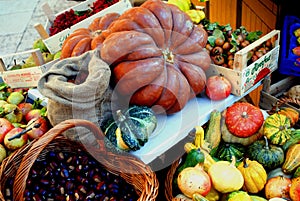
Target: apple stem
37,125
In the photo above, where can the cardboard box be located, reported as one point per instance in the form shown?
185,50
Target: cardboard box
26,77
54,43
243,77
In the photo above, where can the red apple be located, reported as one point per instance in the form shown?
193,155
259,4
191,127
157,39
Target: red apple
17,142
32,114
25,107
5,127
37,127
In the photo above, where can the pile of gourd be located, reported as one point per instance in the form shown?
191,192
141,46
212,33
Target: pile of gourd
246,154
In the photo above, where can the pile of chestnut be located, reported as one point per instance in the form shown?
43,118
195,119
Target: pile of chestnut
223,42
71,176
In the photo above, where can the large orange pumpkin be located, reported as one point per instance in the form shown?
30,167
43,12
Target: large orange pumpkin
157,56
85,39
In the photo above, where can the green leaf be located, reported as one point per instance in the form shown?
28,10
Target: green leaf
227,27
253,36
3,86
37,104
212,26
218,34
234,42
211,40
82,12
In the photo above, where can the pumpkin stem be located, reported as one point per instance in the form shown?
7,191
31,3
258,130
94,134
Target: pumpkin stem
168,56
120,116
233,161
246,162
267,143
97,33
244,114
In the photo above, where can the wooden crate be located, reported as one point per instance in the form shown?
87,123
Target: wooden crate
27,77
243,77
54,43
271,93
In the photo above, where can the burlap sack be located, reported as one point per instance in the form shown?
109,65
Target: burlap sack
89,100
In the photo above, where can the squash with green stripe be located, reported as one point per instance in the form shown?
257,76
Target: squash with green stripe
277,128
130,129
292,159
269,155
225,151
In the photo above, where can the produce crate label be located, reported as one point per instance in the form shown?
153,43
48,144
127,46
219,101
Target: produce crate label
55,42
27,77
262,67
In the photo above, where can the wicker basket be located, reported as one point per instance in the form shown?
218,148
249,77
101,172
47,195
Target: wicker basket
169,180
19,163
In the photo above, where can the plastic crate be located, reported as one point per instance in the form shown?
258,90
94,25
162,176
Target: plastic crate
289,41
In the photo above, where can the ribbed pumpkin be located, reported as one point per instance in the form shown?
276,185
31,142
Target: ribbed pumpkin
269,155
157,56
277,128
291,113
225,151
227,136
255,175
85,39
129,129
243,119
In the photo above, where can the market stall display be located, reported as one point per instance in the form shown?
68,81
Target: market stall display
129,85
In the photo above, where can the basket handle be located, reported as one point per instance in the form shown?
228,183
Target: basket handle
39,144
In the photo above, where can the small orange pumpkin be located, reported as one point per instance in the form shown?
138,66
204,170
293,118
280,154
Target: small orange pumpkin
85,39
291,113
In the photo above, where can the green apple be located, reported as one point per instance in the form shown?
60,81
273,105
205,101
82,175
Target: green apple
14,117
29,62
8,108
16,67
39,44
15,97
17,142
57,55
3,153
2,102
47,56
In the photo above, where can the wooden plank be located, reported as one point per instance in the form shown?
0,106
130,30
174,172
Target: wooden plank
255,95
267,101
262,12
222,12
282,86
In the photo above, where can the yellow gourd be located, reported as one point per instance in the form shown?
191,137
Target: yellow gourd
213,194
225,176
255,175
